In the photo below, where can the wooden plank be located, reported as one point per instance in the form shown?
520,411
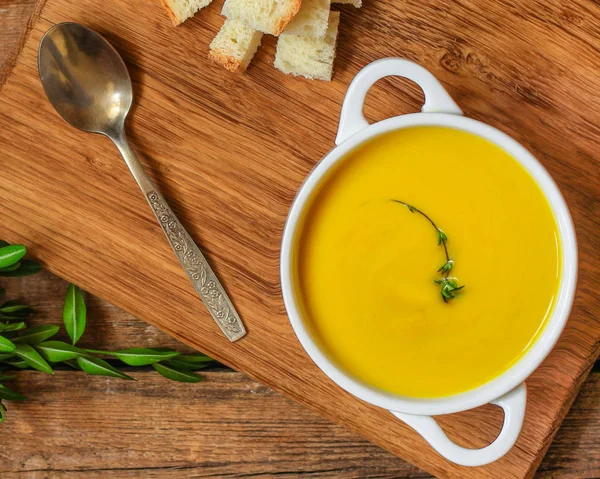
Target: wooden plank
231,167
575,452
228,426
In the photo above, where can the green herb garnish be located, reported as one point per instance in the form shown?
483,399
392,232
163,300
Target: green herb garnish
448,284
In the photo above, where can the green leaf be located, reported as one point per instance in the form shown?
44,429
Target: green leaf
184,366
195,358
190,362
441,237
4,356
6,345
32,358
11,254
144,356
12,267
12,317
6,378
10,395
27,268
14,310
174,374
74,313
99,367
3,243
11,307
10,302
2,412
7,327
73,364
446,267
36,335
17,363
57,351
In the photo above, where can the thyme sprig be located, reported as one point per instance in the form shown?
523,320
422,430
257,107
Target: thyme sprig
449,285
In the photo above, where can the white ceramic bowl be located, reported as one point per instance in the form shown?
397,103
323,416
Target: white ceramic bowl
508,390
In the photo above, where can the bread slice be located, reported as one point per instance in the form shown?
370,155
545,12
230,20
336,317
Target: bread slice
311,57
180,10
356,3
311,20
235,45
268,16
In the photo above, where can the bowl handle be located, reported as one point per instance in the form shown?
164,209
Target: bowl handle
352,120
513,404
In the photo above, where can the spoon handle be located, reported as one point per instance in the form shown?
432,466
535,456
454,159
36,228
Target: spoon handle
192,260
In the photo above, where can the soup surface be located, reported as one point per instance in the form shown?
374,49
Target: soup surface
366,264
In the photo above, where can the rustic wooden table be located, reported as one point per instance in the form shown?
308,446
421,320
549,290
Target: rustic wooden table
227,426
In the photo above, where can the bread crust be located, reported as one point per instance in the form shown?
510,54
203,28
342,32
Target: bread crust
227,62
174,20
287,19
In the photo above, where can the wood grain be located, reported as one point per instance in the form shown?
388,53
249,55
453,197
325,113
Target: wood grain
14,18
230,152
227,426
257,431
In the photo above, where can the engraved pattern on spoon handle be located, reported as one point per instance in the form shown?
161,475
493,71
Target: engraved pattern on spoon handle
198,270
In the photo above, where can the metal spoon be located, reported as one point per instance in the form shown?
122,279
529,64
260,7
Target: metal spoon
87,82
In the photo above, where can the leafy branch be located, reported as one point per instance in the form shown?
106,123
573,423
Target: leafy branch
22,347
449,285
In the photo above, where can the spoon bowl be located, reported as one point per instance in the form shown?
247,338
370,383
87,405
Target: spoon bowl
84,78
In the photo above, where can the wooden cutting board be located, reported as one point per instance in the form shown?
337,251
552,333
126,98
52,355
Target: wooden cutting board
230,151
